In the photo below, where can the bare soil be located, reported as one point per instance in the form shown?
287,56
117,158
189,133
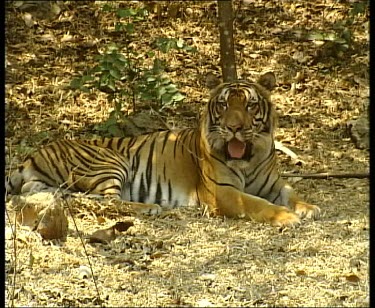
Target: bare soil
183,257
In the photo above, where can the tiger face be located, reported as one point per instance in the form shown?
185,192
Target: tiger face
240,115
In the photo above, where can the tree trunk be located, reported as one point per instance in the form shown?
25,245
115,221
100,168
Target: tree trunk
227,56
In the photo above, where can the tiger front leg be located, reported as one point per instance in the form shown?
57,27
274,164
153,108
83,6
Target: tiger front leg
231,202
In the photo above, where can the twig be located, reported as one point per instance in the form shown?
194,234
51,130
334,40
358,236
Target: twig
327,175
67,205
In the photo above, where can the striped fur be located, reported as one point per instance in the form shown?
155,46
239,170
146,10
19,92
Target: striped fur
228,164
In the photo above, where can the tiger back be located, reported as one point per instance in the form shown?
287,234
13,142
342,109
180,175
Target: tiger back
228,164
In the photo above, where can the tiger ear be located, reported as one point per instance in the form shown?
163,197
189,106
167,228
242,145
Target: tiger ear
267,80
212,81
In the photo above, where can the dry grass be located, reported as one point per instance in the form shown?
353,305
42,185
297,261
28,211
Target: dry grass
184,257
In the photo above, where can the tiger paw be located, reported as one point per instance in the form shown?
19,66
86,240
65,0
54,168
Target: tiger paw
303,209
280,216
145,208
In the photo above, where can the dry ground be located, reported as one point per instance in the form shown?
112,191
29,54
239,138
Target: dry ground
184,257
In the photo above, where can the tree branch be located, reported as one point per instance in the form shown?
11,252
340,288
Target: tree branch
327,175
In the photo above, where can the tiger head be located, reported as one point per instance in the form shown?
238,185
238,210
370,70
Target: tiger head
238,114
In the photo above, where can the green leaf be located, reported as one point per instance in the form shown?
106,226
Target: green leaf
120,57
150,54
111,120
171,88
119,26
85,89
150,79
97,69
167,99
165,80
76,83
178,97
109,58
146,97
111,85
107,8
161,91
129,28
120,65
86,78
105,66
115,131
190,49
123,13
115,73
133,12
358,8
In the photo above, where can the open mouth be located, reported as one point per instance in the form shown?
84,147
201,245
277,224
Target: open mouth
236,149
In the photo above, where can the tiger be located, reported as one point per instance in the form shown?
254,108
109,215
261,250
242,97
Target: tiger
227,164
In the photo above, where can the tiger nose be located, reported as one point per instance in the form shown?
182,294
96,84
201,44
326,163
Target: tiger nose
234,127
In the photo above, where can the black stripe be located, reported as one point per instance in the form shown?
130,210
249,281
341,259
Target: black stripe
63,156
75,151
178,135
267,170
278,195
166,137
142,190
185,134
265,182
191,135
130,145
110,143
169,192
142,144
108,174
165,172
150,164
256,171
55,162
224,163
121,145
135,165
41,171
158,193
220,184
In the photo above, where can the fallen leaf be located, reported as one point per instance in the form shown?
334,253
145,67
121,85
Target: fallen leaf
352,278
102,236
53,222
300,273
156,255
100,220
122,226
28,19
28,216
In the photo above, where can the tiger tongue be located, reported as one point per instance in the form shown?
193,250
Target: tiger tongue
236,148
